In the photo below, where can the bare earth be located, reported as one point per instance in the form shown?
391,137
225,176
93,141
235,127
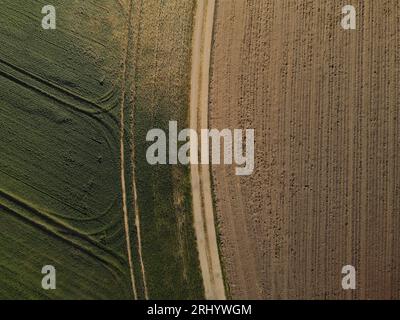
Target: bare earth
325,106
122,165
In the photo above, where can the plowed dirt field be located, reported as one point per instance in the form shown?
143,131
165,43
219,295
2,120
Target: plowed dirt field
325,106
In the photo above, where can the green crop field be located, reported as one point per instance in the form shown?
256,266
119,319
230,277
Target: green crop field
61,96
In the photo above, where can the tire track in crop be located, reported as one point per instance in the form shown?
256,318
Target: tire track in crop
61,216
137,29
74,102
122,151
14,73
56,228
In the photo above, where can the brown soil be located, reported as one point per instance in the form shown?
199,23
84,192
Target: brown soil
325,106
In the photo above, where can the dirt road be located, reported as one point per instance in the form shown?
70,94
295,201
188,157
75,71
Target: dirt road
200,174
325,106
